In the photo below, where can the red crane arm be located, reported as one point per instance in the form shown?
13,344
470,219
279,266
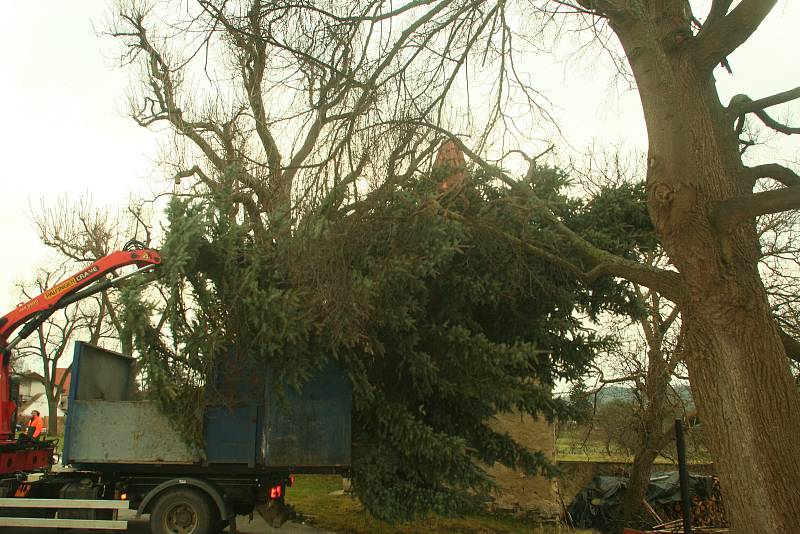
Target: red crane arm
38,309
54,298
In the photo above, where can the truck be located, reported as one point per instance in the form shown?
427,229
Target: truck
121,451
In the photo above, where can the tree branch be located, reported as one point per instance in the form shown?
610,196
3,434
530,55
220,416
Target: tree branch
667,283
775,125
600,262
253,65
164,89
600,8
741,104
96,329
621,379
249,204
729,213
777,172
791,345
603,263
724,35
719,8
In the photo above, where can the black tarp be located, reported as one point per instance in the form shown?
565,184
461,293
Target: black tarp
597,505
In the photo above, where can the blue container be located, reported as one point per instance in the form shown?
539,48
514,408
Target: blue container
248,421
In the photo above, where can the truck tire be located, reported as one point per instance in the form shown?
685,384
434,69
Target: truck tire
181,511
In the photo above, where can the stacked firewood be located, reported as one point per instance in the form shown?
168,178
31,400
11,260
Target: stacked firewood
707,510
676,527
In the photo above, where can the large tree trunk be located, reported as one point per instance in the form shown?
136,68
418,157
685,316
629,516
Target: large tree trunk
737,365
632,506
52,415
750,408
652,438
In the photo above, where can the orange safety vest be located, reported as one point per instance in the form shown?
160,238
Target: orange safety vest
38,425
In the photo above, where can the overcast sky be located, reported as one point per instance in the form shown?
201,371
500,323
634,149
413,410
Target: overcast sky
64,131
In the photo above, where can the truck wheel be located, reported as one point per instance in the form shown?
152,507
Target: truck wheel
181,511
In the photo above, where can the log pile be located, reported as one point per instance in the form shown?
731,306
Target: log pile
676,527
708,514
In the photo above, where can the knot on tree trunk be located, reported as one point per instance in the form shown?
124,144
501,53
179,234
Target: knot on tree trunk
677,39
672,208
663,195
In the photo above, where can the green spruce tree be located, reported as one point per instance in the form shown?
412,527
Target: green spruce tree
438,305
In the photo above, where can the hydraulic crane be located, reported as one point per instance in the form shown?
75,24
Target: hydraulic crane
21,455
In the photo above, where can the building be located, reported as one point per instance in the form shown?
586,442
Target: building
32,396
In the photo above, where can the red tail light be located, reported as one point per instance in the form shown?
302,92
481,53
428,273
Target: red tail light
275,492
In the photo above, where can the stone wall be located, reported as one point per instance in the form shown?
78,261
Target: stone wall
520,493
536,495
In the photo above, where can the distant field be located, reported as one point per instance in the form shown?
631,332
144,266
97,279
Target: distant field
573,448
311,496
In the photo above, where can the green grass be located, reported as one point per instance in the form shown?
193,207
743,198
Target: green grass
60,442
311,497
570,448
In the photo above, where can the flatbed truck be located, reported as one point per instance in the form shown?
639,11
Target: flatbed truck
121,451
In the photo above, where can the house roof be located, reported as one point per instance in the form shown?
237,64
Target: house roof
59,373
31,376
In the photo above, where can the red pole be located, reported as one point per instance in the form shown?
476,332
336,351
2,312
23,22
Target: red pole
7,406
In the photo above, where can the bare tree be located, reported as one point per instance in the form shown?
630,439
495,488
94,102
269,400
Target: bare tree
81,233
51,341
322,98
309,101
648,363
779,270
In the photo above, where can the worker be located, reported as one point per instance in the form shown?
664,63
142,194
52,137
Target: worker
36,425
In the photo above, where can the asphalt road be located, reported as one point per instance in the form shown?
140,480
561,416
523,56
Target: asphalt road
140,526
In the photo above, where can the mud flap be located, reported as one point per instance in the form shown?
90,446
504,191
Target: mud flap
275,512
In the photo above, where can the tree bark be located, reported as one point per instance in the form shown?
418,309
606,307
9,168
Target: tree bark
637,484
747,400
737,365
653,438
52,413
126,342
